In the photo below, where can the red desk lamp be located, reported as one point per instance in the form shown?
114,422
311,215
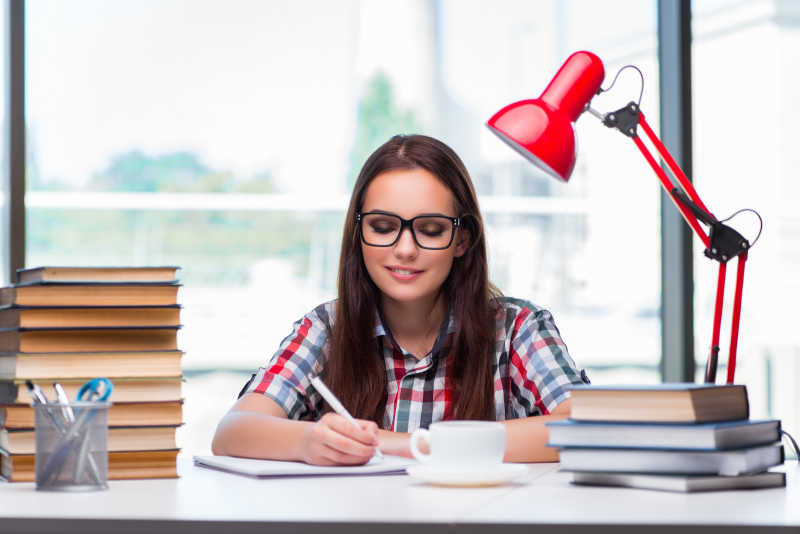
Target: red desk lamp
541,130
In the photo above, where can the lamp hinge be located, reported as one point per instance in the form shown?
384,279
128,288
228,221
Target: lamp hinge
624,119
725,243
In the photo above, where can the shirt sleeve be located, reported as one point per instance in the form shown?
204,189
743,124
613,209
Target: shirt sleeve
286,377
541,368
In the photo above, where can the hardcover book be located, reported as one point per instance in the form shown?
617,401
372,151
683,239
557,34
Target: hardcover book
19,416
675,403
121,465
725,435
111,364
97,274
132,438
90,294
94,316
727,462
88,339
126,389
681,483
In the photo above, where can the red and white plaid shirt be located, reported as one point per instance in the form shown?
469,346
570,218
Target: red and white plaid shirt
532,369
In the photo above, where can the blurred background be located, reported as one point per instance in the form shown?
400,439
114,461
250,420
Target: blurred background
224,137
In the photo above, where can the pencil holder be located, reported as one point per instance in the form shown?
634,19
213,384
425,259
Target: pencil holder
72,446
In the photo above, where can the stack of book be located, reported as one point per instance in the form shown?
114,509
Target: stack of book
675,437
71,324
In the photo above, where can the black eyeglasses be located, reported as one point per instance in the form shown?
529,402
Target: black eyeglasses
382,229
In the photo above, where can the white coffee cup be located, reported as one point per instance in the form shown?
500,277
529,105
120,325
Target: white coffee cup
461,444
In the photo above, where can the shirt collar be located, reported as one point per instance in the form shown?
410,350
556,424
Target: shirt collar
380,330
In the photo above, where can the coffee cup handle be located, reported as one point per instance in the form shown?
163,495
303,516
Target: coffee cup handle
414,444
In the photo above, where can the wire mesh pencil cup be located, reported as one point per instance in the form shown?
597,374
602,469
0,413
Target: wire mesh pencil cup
72,446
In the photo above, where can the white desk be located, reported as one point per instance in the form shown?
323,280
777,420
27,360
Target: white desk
551,500
204,500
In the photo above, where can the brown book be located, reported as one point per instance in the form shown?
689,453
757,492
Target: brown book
663,403
126,389
135,438
97,274
123,465
88,339
20,416
94,316
97,294
46,365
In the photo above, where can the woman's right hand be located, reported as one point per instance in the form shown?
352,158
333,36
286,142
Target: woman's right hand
333,440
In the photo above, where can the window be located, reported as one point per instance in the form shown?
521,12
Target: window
226,141
745,81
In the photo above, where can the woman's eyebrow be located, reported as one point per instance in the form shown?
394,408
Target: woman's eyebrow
435,213
385,212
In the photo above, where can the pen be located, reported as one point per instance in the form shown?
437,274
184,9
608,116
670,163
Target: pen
36,392
61,397
93,388
331,399
69,416
39,398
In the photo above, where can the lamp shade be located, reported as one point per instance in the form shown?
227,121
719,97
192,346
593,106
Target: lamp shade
542,130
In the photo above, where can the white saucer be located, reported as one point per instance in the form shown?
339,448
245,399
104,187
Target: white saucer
449,476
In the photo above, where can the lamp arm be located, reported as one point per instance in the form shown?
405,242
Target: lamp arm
627,120
673,166
737,310
722,242
713,355
672,191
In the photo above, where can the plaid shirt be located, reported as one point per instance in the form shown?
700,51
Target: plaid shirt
532,369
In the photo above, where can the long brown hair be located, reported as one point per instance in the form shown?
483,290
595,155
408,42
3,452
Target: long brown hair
355,370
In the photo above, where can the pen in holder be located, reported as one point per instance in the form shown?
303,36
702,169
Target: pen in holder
72,455
72,437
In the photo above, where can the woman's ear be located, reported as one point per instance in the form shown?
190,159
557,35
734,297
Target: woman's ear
463,237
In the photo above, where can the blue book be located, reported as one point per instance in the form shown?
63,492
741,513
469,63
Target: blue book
664,403
702,436
732,462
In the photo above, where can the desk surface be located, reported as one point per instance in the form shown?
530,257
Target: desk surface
204,500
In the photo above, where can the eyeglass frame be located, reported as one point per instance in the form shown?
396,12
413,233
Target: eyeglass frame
408,223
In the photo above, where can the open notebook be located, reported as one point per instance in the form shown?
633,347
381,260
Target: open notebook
274,468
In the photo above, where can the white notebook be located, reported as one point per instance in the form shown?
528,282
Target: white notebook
274,468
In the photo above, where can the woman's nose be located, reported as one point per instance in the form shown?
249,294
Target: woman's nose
406,246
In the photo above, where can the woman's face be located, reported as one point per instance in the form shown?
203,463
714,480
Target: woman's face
405,272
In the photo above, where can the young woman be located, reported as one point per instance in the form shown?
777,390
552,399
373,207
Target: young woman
417,334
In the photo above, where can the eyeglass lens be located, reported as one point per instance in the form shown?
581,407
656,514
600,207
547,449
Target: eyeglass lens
379,229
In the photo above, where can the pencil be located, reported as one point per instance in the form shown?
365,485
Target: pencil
331,399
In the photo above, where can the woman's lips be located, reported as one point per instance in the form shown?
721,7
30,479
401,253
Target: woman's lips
403,273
